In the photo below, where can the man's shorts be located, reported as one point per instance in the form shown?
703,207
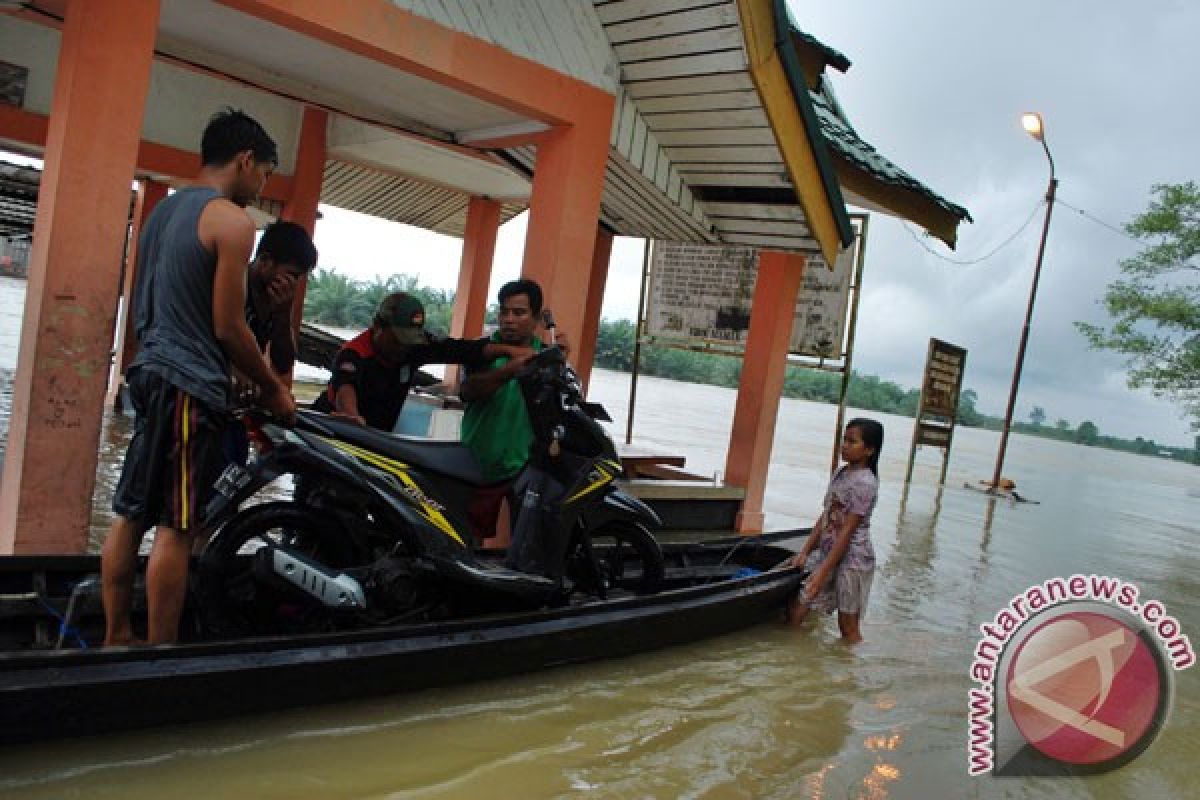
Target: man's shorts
174,457
847,593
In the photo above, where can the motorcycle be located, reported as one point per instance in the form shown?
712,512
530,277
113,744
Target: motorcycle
375,532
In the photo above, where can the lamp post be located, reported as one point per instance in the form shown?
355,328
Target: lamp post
1032,122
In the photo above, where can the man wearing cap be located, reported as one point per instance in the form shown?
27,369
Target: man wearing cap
373,372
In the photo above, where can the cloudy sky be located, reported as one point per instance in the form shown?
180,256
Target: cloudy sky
938,86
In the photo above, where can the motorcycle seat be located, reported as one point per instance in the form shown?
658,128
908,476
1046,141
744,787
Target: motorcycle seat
451,459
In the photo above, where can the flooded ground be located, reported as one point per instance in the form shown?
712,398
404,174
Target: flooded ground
764,713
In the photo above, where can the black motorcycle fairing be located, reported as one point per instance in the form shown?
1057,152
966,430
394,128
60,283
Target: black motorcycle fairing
451,459
620,505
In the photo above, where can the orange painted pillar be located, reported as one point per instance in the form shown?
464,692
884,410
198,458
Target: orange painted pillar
301,207
75,263
779,278
563,210
585,345
150,193
474,273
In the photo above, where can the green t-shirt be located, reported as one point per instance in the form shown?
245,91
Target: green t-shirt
497,430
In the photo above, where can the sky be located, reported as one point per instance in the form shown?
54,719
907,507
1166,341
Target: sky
938,86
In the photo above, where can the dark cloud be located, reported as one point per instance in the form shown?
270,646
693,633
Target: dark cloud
939,86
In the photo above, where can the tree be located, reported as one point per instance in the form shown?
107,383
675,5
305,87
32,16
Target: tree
1087,433
1156,307
1037,416
335,299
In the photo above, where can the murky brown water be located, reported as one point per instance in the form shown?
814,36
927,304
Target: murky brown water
765,713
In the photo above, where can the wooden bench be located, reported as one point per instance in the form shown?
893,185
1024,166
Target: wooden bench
689,505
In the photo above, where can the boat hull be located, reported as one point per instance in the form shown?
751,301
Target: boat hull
63,693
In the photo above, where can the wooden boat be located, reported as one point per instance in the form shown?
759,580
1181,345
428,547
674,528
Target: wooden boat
52,684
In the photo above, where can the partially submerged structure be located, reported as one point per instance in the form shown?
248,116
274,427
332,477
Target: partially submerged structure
677,120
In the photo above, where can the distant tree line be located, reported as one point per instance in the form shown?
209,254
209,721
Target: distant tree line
337,300
342,302
614,350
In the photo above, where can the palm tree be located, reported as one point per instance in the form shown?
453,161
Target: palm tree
334,299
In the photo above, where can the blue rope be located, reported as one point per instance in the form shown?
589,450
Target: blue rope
64,629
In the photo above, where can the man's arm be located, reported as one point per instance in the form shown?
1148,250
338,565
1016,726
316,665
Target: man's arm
345,403
228,232
480,386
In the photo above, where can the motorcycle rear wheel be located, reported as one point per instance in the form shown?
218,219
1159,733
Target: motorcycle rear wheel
627,557
233,601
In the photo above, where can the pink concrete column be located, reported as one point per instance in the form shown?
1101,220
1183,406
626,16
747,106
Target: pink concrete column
150,193
74,276
585,346
474,273
779,278
563,209
301,207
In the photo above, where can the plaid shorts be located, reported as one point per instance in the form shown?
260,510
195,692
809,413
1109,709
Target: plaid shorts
847,593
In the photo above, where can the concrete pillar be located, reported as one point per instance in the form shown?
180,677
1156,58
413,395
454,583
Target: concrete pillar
150,193
563,209
78,242
585,346
779,278
301,207
474,273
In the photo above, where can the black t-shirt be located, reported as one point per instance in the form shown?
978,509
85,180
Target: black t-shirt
382,389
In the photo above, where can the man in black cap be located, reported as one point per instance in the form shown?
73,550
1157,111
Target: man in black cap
373,372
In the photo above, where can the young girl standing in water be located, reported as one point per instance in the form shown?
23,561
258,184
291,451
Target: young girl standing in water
844,564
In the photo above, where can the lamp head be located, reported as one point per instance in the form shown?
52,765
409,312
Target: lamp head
1032,122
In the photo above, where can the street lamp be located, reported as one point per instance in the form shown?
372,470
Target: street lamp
1032,122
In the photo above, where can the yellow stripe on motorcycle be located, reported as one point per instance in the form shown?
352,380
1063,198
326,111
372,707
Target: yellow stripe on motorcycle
400,470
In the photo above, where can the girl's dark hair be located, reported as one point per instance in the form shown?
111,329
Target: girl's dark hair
872,436
230,132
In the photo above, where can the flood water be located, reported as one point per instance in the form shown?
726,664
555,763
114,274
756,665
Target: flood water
764,713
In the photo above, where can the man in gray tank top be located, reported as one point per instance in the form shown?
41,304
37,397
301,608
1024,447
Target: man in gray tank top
189,315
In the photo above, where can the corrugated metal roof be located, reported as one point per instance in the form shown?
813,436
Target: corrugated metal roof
399,199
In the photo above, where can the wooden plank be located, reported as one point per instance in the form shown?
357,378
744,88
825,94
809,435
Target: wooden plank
632,9
796,243
649,165
625,133
710,101
684,44
690,84
670,24
716,137
695,226
768,169
709,63
693,120
637,150
774,227
756,211
751,154
747,179
595,42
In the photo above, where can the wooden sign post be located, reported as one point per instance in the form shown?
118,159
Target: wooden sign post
937,412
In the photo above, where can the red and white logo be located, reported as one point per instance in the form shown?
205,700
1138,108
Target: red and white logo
1085,688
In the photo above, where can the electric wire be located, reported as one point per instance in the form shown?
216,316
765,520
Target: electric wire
972,261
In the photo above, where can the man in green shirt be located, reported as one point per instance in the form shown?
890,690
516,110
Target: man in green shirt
496,426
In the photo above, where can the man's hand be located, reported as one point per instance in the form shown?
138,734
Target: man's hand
280,292
560,339
279,401
355,418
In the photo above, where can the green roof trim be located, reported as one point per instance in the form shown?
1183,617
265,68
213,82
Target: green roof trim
842,137
813,132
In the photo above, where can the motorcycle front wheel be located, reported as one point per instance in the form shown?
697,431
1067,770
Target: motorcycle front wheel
618,555
233,601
